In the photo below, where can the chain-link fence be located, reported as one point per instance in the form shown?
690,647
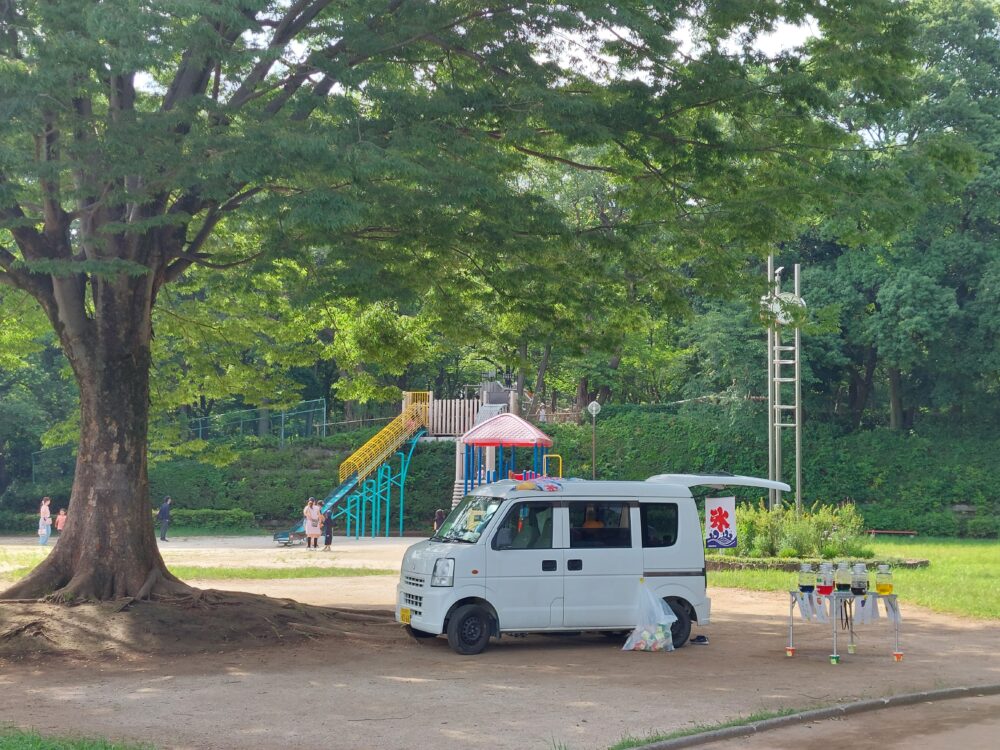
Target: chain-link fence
305,419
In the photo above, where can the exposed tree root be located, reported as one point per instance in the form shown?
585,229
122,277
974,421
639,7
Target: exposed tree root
34,628
38,584
194,622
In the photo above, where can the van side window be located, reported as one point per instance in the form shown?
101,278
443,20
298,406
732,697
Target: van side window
526,526
599,524
659,524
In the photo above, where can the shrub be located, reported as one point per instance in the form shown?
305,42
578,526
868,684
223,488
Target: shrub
821,531
212,519
12,522
983,527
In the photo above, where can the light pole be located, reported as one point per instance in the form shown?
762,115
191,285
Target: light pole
594,408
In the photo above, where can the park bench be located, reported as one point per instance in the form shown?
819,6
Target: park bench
873,532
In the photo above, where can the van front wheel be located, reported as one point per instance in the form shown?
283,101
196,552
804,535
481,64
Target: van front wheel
469,629
680,631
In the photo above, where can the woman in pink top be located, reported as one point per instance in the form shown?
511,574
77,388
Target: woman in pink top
44,521
312,514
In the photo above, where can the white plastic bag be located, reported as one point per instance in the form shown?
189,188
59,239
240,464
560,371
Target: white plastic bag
654,618
805,605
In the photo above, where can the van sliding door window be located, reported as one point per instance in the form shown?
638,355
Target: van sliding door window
526,526
599,524
659,524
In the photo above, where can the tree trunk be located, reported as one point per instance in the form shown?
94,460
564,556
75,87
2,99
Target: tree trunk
263,422
860,388
107,549
604,392
536,396
895,399
582,393
522,363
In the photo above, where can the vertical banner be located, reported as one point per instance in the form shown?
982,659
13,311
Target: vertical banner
720,522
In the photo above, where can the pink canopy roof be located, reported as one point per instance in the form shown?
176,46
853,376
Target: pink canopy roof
508,430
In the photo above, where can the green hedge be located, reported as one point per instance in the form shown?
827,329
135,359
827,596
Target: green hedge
212,519
12,522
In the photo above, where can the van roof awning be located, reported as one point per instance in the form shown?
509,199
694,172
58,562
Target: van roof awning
718,481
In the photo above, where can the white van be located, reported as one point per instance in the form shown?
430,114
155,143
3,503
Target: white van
550,555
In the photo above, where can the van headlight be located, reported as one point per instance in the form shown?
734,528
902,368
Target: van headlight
444,572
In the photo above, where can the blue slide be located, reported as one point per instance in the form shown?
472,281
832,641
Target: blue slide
298,533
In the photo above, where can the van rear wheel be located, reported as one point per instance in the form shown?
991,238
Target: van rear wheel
680,630
469,629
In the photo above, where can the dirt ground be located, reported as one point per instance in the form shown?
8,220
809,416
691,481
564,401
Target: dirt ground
543,692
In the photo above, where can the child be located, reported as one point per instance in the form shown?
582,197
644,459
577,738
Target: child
327,530
60,520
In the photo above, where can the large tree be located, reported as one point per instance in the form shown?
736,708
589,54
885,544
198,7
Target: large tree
388,135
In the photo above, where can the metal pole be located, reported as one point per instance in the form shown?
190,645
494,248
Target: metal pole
798,405
776,419
771,499
593,446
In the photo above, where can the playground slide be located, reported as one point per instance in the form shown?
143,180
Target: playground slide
296,534
366,459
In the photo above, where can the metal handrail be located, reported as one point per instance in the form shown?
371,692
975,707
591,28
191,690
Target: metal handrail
371,455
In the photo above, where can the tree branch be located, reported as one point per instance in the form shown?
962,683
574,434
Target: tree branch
564,160
298,16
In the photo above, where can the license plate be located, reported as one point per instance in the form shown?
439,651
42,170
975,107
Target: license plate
404,615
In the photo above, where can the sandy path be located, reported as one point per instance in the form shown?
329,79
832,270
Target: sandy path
536,692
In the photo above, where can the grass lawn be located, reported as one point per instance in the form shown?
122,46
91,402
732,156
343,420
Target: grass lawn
16,566
200,531
15,739
963,577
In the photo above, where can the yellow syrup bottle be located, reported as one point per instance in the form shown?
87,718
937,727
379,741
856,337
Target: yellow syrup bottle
883,580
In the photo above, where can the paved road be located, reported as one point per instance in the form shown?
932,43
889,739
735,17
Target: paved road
963,724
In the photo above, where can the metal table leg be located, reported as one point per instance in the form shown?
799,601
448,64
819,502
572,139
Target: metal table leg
790,648
838,603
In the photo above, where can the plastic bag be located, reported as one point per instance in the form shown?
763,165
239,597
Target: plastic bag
654,618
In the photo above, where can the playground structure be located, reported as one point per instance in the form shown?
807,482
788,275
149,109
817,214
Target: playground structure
370,474
489,451
486,436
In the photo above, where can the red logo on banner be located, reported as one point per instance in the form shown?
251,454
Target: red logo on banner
719,519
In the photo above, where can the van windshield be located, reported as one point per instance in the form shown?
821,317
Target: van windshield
469,519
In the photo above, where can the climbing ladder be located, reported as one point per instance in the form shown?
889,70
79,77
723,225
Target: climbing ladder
368,477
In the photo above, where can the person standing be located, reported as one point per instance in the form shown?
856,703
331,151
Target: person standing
44,521
439,516
311,517
327,530
60,520
164,518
